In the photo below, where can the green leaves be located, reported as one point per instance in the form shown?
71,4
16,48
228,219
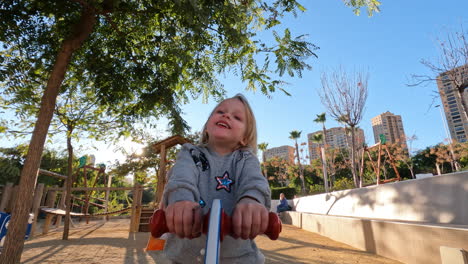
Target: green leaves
146,58
372,6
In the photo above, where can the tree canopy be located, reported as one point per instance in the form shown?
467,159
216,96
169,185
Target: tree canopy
140,58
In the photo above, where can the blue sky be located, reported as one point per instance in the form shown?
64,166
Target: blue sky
388,45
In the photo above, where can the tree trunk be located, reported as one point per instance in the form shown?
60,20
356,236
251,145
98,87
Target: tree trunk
438,168
353,163
264,165
301,173
66,225
14,241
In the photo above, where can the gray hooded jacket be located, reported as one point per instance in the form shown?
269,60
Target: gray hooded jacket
201,175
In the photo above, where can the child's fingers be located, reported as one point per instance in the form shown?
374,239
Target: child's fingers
256,224
179,222
197,222
264,220
170,218
246,225
237,222
187,222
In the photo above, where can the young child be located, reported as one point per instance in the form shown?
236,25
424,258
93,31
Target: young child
223,166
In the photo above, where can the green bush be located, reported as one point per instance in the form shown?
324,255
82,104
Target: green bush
289,192
343,184
316,189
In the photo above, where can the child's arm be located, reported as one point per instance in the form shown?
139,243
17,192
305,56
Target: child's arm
181,193
250,217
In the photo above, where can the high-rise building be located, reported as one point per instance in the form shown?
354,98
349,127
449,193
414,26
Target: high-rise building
456,120
336,137
391,126
283,152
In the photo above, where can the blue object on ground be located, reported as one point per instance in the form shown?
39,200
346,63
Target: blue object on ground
5,219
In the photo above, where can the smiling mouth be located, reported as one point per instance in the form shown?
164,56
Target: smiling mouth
222,124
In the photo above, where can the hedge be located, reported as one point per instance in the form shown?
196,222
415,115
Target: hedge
289,192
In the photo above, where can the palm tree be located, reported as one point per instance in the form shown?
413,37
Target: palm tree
294,135
320,139
321,118
263,147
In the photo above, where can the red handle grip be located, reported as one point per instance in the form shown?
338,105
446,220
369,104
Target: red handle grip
158,225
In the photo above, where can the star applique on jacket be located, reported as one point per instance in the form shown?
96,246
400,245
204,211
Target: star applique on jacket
224,182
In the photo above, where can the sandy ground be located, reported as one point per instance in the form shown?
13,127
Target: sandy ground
110,242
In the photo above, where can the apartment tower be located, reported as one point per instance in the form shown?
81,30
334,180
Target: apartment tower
456,120
337,138
389,125
284,152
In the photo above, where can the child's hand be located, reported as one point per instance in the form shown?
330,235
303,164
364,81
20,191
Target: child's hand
184,219
250,219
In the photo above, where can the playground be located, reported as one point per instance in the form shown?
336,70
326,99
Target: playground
111,242
365,225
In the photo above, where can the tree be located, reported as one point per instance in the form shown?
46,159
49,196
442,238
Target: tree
278,171
143,58
344,96
294,135
450,67
263,147
136,62
77,113
321,118
320,139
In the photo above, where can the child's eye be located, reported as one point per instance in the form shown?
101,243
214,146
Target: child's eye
237,118
219,112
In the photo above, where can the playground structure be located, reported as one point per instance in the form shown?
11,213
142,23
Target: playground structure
160,148
51,200
381,146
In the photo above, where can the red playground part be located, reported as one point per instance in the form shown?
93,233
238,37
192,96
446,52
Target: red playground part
158,225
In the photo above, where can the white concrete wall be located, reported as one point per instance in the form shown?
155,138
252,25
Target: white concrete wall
406,242
438,199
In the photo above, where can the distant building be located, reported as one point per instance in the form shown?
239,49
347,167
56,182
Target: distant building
284,152
456,121
389,125
336,138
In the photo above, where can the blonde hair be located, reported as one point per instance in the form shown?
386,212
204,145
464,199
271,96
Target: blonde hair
250,125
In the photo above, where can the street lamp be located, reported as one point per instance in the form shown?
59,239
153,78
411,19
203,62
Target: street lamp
449,138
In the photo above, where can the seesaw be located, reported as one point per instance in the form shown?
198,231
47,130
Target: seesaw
216,224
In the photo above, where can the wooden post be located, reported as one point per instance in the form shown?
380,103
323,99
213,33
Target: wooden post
109,184
60,205
36,203
6,196
45,226
132,212
44,196
392,161
138,197
361,170
161,175
378,164
50,202
372,162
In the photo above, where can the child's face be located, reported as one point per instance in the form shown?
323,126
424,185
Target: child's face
226,127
